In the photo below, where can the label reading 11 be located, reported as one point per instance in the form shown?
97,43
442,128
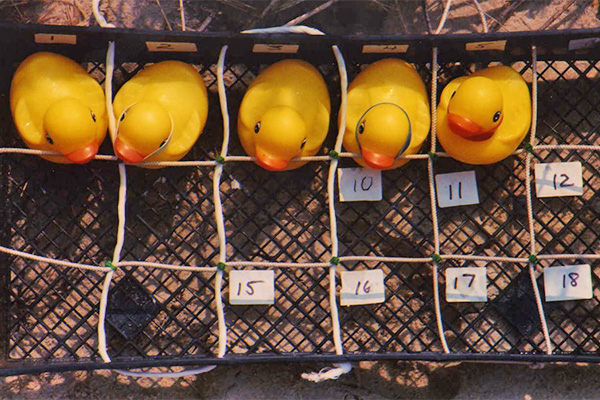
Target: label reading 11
359,184
362,287
558,179
466,284
570,282
456,189
251,287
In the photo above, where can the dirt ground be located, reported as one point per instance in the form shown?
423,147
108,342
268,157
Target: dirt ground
384,380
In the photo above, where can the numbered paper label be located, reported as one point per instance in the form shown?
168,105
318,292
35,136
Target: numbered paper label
456,189
179,47
49,38
571,282
276,48
251,287
468,284
558,179
362,287
359,184
493,45
384,48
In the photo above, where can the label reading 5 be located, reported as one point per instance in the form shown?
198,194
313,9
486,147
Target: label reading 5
571,282
362,287
178,47
359,184
492,45
558,179
456,189
251,287
276,48
52,38
384,48
466,284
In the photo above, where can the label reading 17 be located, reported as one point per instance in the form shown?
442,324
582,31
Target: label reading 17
570,282
251,287
362,287
467,284
456,189
558,179
359,184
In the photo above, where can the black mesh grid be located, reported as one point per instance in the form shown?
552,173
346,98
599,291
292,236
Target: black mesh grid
70,213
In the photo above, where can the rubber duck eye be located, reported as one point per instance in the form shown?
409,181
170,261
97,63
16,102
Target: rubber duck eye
361,127
163,143
257,127
303,144
453,93
49,139
497,116
93,116
122,116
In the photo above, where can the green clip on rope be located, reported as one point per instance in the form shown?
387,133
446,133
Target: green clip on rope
334,261
334,154
222,266
220,160
533,259
433,156
110,265
437,258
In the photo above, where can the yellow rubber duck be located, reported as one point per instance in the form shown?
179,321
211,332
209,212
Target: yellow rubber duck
284,114
160,113
387,114
482,118
58,107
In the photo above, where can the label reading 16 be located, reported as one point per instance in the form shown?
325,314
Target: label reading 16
362,287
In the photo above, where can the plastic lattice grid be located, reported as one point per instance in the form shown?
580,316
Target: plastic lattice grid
70,213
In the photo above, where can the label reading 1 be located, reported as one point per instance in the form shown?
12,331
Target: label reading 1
251,287
467,284
558,179
493,45
276,48
52,38
384,48
571,282
456,189
359,184
362,287
178,47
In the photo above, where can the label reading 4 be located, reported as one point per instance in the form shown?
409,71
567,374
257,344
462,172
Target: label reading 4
52,38
251,287
276,48
178,47
558,179
571,282
456,189
384,48
466,284
359,184
362,287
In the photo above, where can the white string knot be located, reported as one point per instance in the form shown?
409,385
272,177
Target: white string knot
328,373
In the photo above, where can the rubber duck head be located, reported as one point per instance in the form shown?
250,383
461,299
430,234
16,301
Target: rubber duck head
475,109
383,133
280,135
70,128
144,129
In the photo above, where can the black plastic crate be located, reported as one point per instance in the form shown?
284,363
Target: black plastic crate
165,318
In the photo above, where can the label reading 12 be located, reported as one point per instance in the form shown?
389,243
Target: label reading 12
570,282
359,184
456,189
362,287
466,284
558,179
251,287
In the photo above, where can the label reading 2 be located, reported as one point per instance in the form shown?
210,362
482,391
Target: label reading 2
177,47
456,189
467,284
52,38
276,48
359,184
362,287
558,179
570,282
250,287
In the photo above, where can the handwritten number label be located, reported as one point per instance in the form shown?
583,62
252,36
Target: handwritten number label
276,48
491,45
384,48
456,189
570,282
52,38
362,287
176,47
251,287
466,284
558,179
359,184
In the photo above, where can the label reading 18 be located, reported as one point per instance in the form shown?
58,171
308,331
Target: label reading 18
359,184
558,179
456,189
466,284
251,287
362,287
177,47
570,282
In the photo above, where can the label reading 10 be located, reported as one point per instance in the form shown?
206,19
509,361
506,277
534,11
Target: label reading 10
359,184
570,282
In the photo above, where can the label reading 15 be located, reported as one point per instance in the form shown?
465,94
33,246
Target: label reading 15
570,282
251,287
466,284
558,179
359,184
362,287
